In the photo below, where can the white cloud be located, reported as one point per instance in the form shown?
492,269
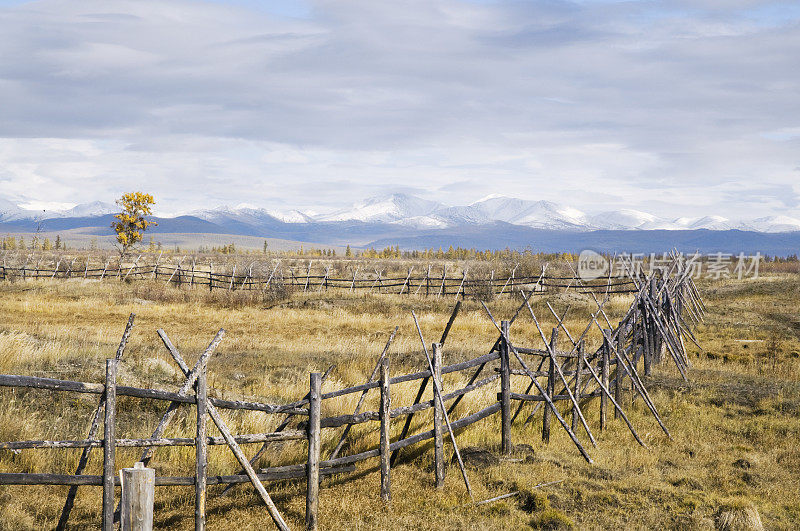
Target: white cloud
667,106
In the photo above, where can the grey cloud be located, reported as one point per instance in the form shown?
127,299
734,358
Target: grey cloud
369,97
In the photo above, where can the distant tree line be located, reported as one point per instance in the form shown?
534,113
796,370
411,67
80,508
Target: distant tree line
10,243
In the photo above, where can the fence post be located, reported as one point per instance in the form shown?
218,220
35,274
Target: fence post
109,443
428,282
438,418
312,468
551,387
505,391
201,453
655,343
385,418
645,336
577,392
619,374
138,493
604,378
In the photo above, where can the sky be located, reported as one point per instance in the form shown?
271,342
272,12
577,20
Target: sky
675,107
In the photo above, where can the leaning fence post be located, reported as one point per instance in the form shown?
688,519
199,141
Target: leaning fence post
201,453
604,377
655,340
617,378
138,493
577,392
438,417
551,387
109,442
505,391
312,468
385,418
644,333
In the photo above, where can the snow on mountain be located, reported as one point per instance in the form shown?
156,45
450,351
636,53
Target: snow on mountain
246,214
420,214
626,219
291,216
385,209
462,215
86,210
775,224
9,211
12,212
536,214
711,223
425,222
250,215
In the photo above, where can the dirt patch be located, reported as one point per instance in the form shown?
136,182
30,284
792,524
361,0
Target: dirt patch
475,457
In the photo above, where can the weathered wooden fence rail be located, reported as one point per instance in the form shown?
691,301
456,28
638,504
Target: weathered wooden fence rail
656,322
429,284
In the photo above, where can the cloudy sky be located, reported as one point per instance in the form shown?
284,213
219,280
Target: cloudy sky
676,107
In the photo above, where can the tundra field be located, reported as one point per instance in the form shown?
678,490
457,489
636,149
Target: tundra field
733,463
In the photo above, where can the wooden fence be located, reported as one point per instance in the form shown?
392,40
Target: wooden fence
427,282
564,374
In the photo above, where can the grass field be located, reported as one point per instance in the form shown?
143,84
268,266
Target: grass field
733,461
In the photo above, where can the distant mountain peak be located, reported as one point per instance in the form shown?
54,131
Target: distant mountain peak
396,210
388,208
91,209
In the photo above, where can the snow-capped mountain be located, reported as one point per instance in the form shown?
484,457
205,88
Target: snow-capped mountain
775,224
625,219
87,210
385,209
406,212
12,212
250,215
536,214
9,211
290,216
707,222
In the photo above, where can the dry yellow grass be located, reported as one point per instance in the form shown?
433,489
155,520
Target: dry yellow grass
735,425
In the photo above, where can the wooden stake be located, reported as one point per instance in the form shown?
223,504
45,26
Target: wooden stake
618,381
438,413
236,450
604,376
346,431
312,468
109,448
551,387
424,382
438,393
201,453
505,391
385,422
550,403
138,485
577,389
554,364
282,426
607,393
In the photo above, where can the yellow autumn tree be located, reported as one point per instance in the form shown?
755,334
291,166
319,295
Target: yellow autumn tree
131,222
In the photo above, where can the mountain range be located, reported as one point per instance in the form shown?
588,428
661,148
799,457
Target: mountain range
413,222
417,213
